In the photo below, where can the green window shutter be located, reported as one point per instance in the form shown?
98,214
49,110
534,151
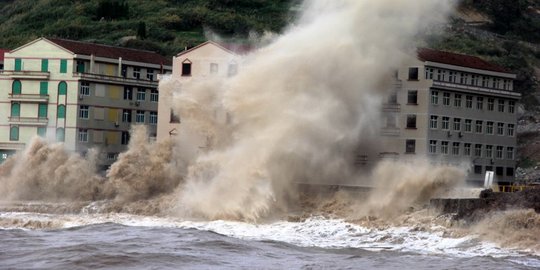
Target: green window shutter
14,133
16,87
44,88
61,111
15,109
63,66
42,131
18,64
42,110
62,88
44,65
60,134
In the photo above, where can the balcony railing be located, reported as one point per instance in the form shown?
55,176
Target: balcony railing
40,121
115,79
391,107
28,97
26,74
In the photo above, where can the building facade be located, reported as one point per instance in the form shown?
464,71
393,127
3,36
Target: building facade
205,61
83,94
454,108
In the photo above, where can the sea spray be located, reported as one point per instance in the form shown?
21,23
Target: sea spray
300,105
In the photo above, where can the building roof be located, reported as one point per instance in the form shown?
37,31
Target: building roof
232,48
100,50
2,51
455,59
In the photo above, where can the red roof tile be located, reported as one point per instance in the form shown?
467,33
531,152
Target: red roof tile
456,59
100,50
2,51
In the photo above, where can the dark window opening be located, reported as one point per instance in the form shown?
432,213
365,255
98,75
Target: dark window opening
186,69
175,118
411,121
509,171
413,74
410,146
125,137
499,171
128,93
477,169
412,97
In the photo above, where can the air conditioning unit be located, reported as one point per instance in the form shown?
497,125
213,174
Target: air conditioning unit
81,97
116,124
137,103
460,134
449,134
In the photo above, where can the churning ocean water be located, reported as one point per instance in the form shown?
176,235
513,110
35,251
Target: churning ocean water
122,241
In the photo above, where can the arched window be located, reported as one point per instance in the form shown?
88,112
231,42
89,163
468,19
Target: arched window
14,133
60,134
186,68
16,87
15,109
62,88
61,111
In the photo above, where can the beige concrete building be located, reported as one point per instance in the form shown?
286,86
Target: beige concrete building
204,61
83,94
452,108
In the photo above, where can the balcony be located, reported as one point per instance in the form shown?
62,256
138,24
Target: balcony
391,107
29,97
26,74
476,89
115,79
12,145
28,121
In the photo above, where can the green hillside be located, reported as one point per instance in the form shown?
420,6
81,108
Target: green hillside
159,25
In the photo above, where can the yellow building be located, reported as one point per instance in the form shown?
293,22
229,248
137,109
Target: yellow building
83,94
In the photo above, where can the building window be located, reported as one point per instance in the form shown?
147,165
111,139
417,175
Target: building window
392,98
464,78
85,89
15,109
213,68
83,111
491,104
511,106
510,153
233,69
477,169
83,135
412,97
429,73
506,84
136,72
499,152
150,74
468,102
411,121
14,133
16,87
18,64
509,171
489,151
123,71
60,134
444,147
128,93
111,156
474,80
80,66
153,118
141,94
61,111
434,97
457,100
154,96
511,130
445,123
452,77
440,74
42,131
433,122
126,116
496,83
63,66
500,128
42,110
125,138
499,171
457,124
44,65
467,149
478,126
139,117
485,81
62,88
446,99
186,68
432,146
479,103
477,150
468,125
413,74
455,148
175,118
390,121
489,128
410,146
501,105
